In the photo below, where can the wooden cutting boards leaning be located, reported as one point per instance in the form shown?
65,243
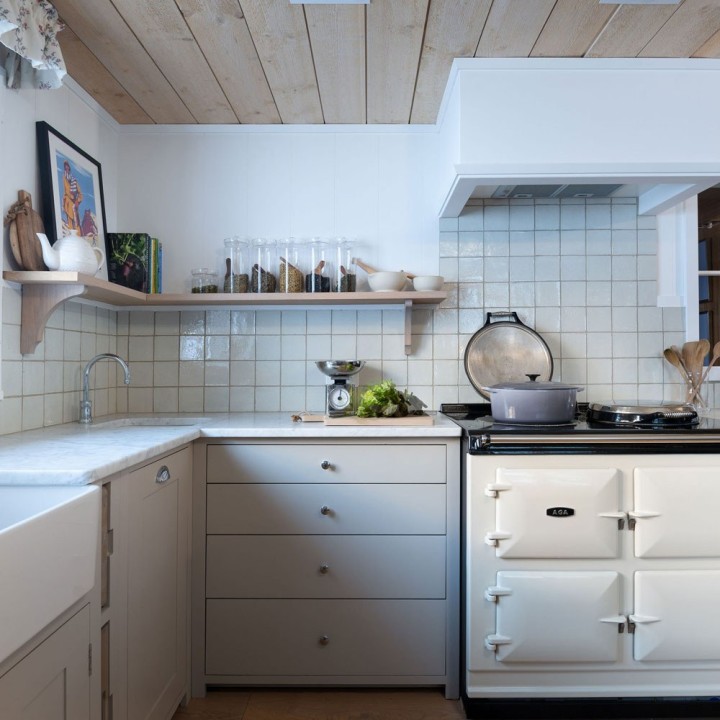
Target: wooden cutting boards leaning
23,223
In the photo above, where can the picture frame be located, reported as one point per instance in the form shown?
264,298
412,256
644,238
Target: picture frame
71,188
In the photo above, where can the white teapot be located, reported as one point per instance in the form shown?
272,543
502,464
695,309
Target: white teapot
72,253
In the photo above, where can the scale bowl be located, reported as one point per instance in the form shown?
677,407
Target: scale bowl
340,368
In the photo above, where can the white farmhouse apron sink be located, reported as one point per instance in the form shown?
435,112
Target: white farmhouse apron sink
48,552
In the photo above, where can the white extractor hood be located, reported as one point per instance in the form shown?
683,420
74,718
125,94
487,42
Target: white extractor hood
578,128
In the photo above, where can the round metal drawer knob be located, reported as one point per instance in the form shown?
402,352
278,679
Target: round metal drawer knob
326,465
324,568
325,510
324,640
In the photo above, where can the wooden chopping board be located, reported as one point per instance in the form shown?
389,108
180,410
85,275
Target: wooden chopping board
23,223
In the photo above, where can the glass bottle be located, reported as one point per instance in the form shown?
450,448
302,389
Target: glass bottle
236,276
319,277
203,281
344,277
262,266
291,266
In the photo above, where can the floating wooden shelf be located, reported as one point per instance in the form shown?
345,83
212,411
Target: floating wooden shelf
43,291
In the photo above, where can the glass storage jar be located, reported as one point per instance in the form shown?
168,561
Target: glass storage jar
236,275
291,264
262,261
319,278
203,280
344,277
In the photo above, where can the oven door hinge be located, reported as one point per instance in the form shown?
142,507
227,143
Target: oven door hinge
620,515
492,642
492,489
642,619
619,619
494,592
635,515
492,538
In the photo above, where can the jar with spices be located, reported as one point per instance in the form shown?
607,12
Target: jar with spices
236,276
263,255
344,277
203,281
319,278
291,278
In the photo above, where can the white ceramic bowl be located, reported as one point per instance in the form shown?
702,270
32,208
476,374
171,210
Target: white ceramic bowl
426,283
386,281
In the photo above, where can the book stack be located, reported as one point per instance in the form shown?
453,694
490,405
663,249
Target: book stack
135,261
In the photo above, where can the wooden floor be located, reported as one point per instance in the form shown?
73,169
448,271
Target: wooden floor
322,705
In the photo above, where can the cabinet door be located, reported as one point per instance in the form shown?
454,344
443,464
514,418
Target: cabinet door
53,681
157,586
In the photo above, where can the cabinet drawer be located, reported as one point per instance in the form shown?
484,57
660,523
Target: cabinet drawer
325,637
321,566
323,463
296,509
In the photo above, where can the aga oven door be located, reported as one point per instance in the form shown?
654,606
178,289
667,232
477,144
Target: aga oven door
675,512
556,512
556,616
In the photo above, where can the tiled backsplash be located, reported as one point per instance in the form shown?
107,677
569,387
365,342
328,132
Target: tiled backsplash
581,272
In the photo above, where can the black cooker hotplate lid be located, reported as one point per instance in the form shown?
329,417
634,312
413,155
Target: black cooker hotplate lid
654,414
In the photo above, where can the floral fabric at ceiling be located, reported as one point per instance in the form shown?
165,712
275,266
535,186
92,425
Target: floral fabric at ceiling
28,28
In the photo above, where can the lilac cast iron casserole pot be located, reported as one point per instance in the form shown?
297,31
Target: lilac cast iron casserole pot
533,403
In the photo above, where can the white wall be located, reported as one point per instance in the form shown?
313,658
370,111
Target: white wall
192,187
43,388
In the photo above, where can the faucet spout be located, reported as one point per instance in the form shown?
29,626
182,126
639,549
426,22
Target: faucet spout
85,404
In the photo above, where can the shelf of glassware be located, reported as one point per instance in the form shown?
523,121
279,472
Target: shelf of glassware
43,291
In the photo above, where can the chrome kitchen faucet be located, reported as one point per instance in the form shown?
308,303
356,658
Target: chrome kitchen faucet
85,404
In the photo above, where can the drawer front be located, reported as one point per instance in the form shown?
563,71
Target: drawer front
325,637
323,463
322,566
296,509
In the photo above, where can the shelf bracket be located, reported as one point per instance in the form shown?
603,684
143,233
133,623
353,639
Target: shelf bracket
408,327
38,303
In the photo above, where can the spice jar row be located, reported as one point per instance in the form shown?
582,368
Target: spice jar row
285,266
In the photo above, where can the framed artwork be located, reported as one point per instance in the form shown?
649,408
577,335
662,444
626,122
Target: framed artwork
72,190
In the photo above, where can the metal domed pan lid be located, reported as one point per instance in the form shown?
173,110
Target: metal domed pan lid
642,413
504,351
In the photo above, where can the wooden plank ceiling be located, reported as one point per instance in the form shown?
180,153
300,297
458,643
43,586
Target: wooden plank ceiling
267,61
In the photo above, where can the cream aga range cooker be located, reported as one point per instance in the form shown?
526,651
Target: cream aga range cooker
591,565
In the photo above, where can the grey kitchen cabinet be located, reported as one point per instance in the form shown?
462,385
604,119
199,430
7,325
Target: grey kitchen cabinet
326,562
146,619
53,680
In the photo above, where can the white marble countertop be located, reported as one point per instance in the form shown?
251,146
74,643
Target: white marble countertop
74,454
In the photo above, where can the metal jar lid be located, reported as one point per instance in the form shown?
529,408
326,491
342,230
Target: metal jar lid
505,351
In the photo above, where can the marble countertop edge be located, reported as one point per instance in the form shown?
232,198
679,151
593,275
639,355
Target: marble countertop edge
74,454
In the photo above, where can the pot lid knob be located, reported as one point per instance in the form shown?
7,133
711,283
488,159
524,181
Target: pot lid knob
532,376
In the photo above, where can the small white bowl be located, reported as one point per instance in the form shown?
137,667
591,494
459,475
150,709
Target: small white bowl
386,281
426,283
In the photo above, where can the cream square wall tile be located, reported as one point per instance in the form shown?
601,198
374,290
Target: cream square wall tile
167,323
190,399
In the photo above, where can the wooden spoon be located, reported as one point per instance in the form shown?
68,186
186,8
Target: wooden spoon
672,355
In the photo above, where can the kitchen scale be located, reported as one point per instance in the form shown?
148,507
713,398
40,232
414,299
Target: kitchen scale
341,393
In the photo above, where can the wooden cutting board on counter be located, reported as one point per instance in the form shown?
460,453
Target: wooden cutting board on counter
412,421
23,222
